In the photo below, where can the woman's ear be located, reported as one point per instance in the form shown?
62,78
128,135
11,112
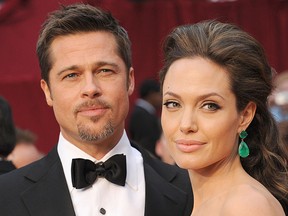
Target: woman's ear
247,116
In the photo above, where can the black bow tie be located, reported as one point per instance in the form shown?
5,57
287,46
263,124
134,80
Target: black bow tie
85,172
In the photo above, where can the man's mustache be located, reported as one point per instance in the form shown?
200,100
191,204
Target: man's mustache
96,103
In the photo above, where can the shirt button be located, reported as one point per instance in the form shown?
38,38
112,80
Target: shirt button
102,211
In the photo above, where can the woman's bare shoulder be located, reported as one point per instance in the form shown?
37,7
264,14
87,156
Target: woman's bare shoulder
251,199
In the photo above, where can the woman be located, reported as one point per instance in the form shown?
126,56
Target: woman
215,84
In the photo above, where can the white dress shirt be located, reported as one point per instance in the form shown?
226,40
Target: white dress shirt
104,197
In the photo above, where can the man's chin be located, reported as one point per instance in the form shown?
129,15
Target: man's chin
88,135
88,119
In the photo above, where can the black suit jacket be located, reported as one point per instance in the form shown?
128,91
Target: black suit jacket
40,189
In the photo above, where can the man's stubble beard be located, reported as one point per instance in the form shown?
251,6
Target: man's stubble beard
86,134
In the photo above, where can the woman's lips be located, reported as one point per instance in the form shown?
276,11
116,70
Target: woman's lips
188,145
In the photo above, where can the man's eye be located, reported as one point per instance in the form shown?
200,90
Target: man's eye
105,70
71,75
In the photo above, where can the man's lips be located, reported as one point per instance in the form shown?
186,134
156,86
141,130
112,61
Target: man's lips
92,111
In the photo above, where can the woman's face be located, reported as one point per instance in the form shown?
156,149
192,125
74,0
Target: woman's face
199,116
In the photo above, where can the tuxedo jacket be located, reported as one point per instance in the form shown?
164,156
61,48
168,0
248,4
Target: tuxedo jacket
40,189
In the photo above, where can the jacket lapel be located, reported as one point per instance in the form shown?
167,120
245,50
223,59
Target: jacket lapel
49,194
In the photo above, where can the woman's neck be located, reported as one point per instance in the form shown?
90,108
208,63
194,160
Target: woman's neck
214,180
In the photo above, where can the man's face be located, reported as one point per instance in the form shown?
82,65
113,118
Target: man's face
89,89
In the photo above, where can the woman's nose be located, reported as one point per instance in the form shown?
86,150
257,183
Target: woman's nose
188,122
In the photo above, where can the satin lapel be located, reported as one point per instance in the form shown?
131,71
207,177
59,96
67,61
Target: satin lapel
162,198
49,195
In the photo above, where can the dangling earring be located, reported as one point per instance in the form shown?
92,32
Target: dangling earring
243,149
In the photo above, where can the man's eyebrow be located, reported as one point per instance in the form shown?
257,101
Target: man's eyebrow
97,64
72,67
103,63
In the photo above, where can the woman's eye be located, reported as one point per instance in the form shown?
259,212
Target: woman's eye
211,106
171,104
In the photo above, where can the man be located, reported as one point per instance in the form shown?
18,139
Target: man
87,78
144,125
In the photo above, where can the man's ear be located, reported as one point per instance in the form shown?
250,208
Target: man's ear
247,116
131,81
46,90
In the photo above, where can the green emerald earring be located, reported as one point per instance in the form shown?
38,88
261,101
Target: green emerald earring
243,149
